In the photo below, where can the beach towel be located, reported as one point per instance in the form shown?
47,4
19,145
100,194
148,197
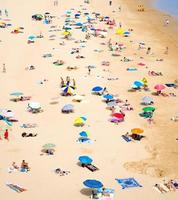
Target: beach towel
131,69
128,183
15,187
127,139
170,84
28,126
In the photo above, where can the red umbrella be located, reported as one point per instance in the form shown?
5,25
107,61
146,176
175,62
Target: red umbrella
118,115
159,87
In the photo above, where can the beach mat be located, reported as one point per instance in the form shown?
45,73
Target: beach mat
128,183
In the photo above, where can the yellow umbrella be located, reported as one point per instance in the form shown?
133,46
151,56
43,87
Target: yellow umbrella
65,33
145,81
79,121
119,31
137,130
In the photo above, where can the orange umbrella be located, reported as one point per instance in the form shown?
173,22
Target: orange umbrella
137,130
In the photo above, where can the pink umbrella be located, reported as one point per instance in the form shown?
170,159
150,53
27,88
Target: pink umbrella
141,64
159,87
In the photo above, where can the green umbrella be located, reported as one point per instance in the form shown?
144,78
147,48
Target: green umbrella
149,109
49,146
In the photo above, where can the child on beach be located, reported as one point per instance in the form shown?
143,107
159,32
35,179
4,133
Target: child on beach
6,13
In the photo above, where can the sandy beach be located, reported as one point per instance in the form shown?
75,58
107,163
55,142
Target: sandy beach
149,161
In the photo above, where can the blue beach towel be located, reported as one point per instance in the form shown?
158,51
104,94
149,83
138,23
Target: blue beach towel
128,183
127,139
132,69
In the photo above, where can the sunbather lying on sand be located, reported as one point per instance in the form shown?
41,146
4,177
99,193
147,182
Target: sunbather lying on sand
22,98
78,57
72,68
105,63
24,134
58,62
61,172
126,59
153,73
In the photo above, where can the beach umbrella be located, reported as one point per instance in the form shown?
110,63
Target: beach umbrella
79,24
79,121
126,33
34,105
94,184
83,134
31,37
67,107
149,109
118,115
4,124
147,100
65,33
145,81
6,113
138,83
119,31
97,89
16,94
49,146
111,104
85,160
108,97
159,87
2,25
137,130
68,89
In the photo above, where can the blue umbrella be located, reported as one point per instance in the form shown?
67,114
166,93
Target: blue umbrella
79,24
93,183
108,96
126,33
83,134
16,94
138,83
97,89
77,15
84,118
85,160
31,37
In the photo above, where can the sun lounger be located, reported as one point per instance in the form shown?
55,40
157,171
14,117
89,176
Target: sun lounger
127,139
91,167
28,126
16,188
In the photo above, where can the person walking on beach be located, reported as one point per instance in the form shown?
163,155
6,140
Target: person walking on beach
6,13
166,51
6,135
89,70
4,68
55,2
148,50
110,3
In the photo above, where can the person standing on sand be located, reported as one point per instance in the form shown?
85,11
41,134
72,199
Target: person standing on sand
6,13
166,51
148,50
55,2
4,68
166,22
6,135
110,3
89,70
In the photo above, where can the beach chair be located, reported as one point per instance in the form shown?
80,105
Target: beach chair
91,167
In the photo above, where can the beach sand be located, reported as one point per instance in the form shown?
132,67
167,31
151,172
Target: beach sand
148,161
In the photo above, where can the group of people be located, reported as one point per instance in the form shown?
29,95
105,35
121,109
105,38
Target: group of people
23,167
67,82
